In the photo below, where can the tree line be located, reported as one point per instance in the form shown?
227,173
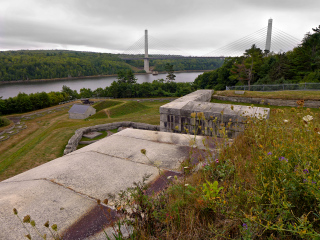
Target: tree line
29,102
302,64
124,87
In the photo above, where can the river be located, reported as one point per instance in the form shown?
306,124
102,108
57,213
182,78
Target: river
13,89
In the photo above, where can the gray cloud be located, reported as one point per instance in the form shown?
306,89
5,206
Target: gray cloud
194,26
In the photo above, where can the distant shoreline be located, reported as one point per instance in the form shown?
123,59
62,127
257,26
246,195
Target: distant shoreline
84,77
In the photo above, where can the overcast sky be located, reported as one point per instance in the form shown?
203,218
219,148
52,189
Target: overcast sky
194,26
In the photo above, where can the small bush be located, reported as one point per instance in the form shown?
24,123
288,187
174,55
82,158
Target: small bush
4,122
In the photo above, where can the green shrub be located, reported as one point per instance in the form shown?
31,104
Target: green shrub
4,122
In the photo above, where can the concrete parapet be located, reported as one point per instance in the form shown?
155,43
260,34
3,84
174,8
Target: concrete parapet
268,101
75,139
195,114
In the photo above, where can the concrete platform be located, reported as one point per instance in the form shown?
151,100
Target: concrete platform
64,191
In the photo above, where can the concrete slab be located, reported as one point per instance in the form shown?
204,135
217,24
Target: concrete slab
43,201
90,173
163,155
64,191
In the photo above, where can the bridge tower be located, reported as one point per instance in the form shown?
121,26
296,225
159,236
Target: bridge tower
268,41
146,56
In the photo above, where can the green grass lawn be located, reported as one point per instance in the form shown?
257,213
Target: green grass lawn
46,136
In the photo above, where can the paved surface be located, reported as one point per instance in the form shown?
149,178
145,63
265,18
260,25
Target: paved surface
64,191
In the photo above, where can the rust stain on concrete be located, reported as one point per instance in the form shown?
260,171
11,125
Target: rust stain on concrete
97,219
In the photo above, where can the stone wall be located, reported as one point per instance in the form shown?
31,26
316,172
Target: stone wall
195,114
75,139
267,101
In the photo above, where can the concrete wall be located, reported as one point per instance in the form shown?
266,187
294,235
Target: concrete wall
75,139
267,101
195,114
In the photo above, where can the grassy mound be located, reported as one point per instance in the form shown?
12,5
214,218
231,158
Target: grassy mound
105,104
127,108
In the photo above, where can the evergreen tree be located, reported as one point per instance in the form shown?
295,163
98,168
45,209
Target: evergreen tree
170,71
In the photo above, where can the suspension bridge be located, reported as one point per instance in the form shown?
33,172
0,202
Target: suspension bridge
269,38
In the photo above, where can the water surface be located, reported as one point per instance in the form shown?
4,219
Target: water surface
13,89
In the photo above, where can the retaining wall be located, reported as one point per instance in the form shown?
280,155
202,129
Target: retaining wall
195,114
268,101
75,139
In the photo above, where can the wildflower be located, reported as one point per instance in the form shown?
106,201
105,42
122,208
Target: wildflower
217,160
46,224
15,211
200,115
143,151
232,107
105,201
269,153
28,236
283,158
245,226
169,177
313,182
305,171
305,180
285,120
54,227
186,167
186,185
300,103
33,223
307,118
26,219
193,115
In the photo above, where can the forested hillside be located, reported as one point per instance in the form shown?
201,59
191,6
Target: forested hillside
302,64
49,64
180,64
